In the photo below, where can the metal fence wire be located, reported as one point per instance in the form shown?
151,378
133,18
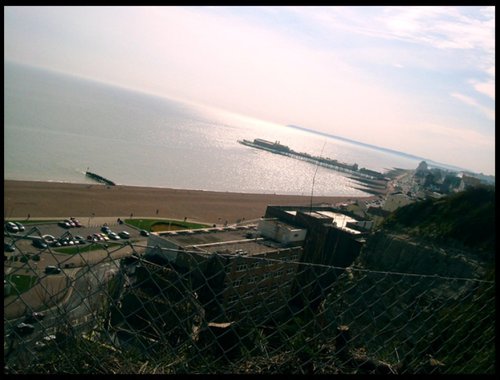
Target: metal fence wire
131,313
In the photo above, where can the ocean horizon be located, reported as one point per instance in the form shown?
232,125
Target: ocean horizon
57,127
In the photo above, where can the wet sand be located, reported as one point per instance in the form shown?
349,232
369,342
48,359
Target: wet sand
51,199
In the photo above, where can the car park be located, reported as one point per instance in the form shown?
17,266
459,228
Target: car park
144,233
124,234
39,243
11,227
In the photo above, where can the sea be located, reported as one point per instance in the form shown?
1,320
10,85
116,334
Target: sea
57,126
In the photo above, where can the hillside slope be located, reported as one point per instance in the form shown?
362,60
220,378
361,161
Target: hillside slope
466,218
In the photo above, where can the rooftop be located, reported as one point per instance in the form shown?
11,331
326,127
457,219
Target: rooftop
338,218
244,240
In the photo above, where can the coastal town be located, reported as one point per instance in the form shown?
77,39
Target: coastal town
260,267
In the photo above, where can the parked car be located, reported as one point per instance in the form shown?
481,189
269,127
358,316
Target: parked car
70,222
11,227
19,226
105,229
79,239
103,237
97,237
49,239
34,317
113,235
39,243
144,233
8,247
124,234
23,329
51,269
76,222
64,224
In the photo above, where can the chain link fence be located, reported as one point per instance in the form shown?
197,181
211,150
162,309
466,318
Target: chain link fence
119,310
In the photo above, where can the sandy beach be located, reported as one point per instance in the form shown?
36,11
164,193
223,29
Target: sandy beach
51,199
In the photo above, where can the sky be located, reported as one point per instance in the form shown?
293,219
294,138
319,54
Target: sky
417,79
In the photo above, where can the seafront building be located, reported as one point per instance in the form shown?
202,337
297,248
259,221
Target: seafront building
234,270
334,240
262,270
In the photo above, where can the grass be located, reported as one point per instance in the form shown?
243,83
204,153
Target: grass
21,282
163,224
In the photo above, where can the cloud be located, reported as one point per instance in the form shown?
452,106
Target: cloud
454,135
490,113
437,27
487,88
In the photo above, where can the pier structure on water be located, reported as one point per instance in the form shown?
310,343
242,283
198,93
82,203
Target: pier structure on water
276,147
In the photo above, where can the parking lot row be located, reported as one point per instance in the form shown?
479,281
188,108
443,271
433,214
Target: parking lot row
63,234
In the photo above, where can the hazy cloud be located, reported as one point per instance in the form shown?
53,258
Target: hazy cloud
489,112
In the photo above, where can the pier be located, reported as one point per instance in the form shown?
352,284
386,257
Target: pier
284,150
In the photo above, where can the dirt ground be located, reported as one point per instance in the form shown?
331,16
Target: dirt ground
51,199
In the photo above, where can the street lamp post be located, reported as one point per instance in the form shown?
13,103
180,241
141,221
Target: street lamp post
91,216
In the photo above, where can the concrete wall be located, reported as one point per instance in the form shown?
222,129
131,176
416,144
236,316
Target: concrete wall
279,232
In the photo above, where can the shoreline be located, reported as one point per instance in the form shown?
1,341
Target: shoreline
82,200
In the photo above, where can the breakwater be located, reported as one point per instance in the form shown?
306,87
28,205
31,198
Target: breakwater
98,178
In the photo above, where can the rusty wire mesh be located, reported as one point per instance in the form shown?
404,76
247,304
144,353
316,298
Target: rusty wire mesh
123,312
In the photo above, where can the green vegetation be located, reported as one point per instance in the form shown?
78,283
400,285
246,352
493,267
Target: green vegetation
467,217
87,248
163,224
459,323
21,282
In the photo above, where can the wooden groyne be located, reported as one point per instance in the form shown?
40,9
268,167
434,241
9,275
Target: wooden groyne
98,178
